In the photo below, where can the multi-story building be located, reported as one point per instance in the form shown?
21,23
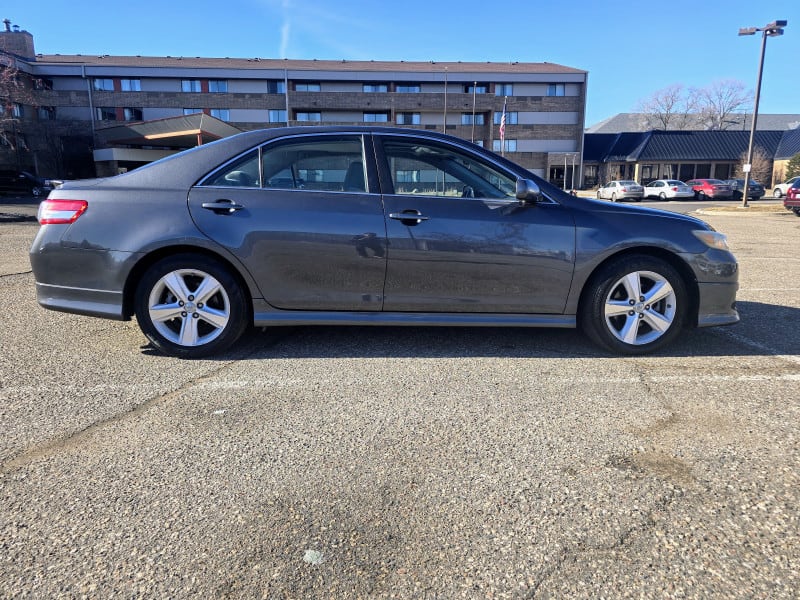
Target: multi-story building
132,109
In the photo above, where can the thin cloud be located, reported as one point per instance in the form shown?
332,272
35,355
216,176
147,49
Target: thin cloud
286,29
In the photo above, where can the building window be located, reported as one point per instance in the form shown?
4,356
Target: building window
17,111
275,86
308,116
408,118
307,87
470,119
511,117
504,89
555,89
190,85
277,116
47,113
218,86
223,114
511,145
131,85
104,85
192,111
481,88
105,113
376,117
408,88
41,83
132,114
375,87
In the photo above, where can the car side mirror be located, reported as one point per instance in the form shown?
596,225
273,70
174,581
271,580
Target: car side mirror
527,191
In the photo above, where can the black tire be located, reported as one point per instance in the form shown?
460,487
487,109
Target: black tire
614,197
662,196
796,211
606,290
211,325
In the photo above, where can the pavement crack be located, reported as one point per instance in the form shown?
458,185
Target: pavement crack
77,438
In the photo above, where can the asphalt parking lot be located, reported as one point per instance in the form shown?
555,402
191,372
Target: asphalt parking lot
403,462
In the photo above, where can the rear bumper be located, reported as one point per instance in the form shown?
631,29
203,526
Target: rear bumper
81,301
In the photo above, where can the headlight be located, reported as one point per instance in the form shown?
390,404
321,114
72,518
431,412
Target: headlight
712,239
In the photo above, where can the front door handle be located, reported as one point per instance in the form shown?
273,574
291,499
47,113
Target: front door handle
222,206
409,217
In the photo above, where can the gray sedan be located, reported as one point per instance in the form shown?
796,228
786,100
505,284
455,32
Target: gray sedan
369,226
621,190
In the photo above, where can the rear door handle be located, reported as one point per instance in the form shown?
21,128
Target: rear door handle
222,206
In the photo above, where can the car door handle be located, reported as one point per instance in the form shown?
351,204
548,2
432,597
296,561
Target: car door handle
409,217
222,206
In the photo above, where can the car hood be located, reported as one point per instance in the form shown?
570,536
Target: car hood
600,207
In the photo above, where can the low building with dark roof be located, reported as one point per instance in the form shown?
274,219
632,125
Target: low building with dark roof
684,155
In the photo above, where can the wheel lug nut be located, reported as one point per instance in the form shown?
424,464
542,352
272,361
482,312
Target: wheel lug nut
183,314
180,303
630,312
631,301
199,305
192,298
196,316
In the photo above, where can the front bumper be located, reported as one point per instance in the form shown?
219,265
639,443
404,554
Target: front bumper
717,304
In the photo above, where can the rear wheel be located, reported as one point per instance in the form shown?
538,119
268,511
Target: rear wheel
634,305
776,193
190,306
614,197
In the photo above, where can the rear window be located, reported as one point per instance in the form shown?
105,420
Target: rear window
674,182
626,182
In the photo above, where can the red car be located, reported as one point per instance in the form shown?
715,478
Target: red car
792,198
710,188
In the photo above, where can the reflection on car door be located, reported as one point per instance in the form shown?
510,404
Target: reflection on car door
459,241
298,214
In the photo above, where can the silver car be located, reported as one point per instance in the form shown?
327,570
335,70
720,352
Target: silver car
668,189
621,190
369,226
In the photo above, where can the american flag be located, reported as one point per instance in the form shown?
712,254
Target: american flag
503,126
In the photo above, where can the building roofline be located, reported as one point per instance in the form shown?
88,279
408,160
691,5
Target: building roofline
488,67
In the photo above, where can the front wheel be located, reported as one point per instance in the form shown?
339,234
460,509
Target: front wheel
190,306
614,197
796,211
634,305
776,193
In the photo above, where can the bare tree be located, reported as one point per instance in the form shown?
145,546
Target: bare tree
761,166
668,108
719,102
15,92
676,107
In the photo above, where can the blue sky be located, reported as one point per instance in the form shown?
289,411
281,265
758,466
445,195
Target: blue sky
630,49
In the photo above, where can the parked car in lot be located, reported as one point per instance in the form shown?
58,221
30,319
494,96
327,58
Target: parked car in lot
710,188
668,189
621,190
781,189
792,198
22,183
198,246
755,191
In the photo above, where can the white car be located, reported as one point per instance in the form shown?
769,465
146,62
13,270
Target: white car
780,189
667,189
621,190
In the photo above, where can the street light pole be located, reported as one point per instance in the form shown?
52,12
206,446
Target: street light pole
773,29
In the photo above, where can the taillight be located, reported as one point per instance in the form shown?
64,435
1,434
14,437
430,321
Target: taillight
675,189
624,189
61,212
